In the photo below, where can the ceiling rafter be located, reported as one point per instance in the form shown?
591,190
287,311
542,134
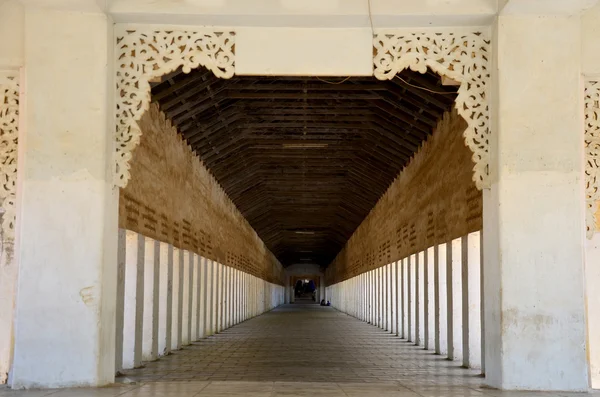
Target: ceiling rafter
303,160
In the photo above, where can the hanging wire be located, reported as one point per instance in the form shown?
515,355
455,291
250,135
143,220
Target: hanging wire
333,82
371,18
397,76
426,89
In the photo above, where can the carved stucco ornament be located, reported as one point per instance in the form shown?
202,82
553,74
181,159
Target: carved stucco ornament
463,57
143,55
592,154
9,135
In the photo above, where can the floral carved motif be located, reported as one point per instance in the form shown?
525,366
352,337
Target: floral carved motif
592,153
143,55
9,120
461,57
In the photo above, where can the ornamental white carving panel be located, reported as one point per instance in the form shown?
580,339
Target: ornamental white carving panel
9,124
592,153
461,57
143,55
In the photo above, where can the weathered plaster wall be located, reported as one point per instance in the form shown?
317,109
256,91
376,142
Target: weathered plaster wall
172,197
433,200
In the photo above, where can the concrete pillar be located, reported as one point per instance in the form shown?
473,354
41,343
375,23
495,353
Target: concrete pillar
421,298
163,292
454,298
185,297
397,298
200,288
148,313
404,300
429,342
67,280
133,300
209,297
441,299
533,214
175,308
220,296
180,297
471,300
592,279
170,300
411,298
120,301
192,307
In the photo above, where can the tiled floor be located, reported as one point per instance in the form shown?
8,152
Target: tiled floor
296,350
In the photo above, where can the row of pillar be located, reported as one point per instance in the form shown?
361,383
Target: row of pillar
431,298
169,297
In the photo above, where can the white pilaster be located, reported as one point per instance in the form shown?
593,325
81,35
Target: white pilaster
454,298
471,300
148,302
430,328
67,230
441,299
164,288
175,308
533,215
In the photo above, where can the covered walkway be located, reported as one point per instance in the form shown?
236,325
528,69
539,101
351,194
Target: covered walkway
306,343
296,350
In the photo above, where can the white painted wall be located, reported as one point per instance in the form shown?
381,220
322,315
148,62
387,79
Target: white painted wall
12,29
307,13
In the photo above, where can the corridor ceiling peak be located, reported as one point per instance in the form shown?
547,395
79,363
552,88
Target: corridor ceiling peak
304,158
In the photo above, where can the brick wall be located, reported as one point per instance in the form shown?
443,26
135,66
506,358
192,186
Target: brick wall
433,200
173,198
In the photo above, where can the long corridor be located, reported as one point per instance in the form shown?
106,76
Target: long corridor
296,350
306,343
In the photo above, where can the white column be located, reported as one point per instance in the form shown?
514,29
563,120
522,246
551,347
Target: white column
454,294
592,279
210,297
430,328
533,215
185,298
441,300
120,304
388,299
191,313
170,309
180,297
199,296
397,297
411,298
148,312
175,309
68,209
163,300
471,302
421,297
404,295
134,300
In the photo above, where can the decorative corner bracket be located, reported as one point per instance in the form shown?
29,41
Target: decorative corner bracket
592,154
461,57
143,55
9,136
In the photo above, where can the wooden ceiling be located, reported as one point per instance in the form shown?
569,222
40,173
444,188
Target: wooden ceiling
304,158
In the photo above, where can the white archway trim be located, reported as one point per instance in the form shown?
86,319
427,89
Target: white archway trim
592,153
145,54
463,57
9,136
